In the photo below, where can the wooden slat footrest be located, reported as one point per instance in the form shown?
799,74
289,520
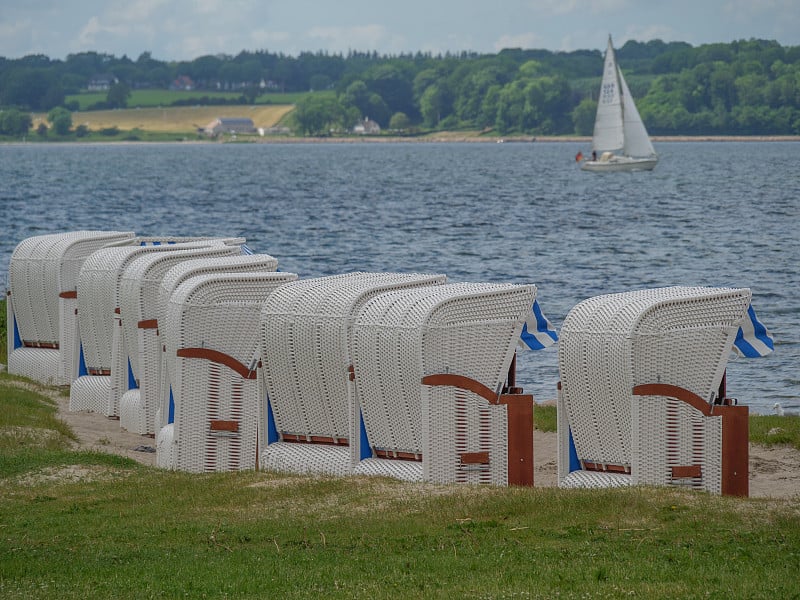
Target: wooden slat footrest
221,425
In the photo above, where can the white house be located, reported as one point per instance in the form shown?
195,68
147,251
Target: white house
367,127
229,125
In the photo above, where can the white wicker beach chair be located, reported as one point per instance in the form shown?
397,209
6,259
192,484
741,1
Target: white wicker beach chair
305,327
103,376
252,263
41,302
438,433
212,330
675,342
139,303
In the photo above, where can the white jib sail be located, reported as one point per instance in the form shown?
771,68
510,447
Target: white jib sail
637,142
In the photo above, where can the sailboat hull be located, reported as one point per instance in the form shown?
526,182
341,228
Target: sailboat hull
620,163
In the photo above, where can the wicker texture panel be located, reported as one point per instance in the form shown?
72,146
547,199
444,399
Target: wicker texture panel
608,344
305,339
306,458
217,313
398,469
90,393
165,447
468,329
595,479
39,364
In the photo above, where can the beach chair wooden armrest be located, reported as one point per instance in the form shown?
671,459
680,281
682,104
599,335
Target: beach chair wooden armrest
673,391
220,358
460,381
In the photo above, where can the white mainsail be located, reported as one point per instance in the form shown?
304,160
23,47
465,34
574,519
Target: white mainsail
608,131
618,127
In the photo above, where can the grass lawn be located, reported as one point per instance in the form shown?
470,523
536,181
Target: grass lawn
87,525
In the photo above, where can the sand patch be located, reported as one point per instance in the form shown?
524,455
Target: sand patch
71,474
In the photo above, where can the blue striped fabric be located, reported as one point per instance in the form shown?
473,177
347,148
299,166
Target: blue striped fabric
537,332
753,339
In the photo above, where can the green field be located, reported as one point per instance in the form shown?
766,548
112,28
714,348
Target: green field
165,98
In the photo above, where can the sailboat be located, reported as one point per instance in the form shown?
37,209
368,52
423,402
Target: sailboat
620,141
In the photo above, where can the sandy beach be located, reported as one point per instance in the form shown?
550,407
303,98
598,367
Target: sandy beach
774,471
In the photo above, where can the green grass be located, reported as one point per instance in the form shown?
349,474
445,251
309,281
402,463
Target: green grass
544,417
3,330
772,430
150,534
84,525
88,525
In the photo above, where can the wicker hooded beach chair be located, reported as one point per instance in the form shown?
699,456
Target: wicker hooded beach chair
250,263
212,332
305,328
639,399
41,302
420,358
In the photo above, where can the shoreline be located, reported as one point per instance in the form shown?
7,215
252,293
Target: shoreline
443,138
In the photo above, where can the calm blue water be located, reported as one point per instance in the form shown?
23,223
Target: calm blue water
718,214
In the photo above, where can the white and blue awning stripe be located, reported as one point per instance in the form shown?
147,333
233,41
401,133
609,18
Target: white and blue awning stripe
753,339
537,332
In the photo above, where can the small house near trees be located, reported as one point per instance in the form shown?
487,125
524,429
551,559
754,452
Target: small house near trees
101,83
229,125
367,127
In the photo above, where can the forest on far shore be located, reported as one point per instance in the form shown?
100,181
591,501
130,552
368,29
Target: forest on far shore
745,87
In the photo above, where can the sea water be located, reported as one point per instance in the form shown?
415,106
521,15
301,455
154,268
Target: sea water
716,214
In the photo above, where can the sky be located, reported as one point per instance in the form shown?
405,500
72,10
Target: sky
174,30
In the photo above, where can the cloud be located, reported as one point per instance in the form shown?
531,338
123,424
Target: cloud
87,36
355,37
263,38
565,7
646,33
136,11
520,40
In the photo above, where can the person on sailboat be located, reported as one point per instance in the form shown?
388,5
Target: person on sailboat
594,155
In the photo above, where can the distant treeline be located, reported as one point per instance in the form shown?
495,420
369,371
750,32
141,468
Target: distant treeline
746,87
